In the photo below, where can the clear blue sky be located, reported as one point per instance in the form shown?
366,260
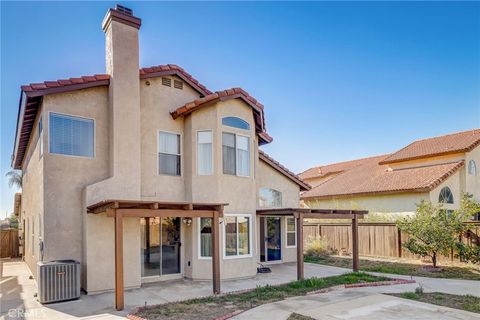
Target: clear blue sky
339,80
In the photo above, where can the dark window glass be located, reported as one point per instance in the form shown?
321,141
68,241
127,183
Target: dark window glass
236,123
445,196
228,149
71,135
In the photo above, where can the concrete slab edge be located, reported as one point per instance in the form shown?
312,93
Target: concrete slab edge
132,315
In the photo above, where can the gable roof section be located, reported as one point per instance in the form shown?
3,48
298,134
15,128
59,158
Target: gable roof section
325,170
283,170
448,144
31,98
234,93
173,69
372,178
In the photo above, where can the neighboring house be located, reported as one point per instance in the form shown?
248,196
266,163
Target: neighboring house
148,138
437,169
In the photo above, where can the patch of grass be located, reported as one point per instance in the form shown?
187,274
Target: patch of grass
410,295
296,316
211,307
467,302
394,267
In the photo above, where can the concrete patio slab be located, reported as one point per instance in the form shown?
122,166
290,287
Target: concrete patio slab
354,304
17,292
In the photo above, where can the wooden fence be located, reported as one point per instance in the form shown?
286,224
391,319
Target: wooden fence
376,239
9,246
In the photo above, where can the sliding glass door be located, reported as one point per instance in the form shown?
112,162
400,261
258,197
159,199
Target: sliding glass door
160,247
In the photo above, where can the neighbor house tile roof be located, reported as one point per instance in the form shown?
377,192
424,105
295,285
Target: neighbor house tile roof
437,146
283,170
234,93
329,169
34,92
370,177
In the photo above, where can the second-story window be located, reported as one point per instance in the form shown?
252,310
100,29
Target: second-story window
169,155
71,136
270,198
204,153
236,154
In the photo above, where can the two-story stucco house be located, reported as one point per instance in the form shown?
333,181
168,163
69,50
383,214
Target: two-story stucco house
145,174
437,169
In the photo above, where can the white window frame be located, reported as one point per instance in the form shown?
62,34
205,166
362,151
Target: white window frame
250,231
287,232
249,155
213,153
200,240
236,153
158,153
474,167
73,116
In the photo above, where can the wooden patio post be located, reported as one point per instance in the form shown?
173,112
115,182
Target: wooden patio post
216,252
300,264
119,303
355,258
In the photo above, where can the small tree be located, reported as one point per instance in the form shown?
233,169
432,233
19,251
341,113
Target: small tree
13,221
467,252
433,231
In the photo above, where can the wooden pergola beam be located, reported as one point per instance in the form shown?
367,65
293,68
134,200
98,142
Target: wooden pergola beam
119,286
301,213
216,252
118,210
177,213
300,263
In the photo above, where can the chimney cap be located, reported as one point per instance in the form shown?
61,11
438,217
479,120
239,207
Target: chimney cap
125,10
123,15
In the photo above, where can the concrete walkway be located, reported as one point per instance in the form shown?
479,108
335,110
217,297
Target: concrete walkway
17,291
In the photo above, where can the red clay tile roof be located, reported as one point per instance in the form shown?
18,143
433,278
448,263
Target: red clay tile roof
65,85
372,178
234,93
173,69
283,170
334,168
451,143
34,92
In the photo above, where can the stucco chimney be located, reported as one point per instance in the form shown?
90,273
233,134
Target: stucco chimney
122,63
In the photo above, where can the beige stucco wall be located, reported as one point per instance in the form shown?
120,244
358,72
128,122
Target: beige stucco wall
272,179
238,192
403,203
32,207
428,161
67,226
471,183
157,101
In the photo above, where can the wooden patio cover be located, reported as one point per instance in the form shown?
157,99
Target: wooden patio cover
301,213
118,209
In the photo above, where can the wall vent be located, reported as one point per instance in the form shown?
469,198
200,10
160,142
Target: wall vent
177,84
167,82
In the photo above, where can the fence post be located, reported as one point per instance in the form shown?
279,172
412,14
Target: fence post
399,241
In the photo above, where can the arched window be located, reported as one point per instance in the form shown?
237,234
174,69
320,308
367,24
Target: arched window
472,168
270,198
236,123
445,196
